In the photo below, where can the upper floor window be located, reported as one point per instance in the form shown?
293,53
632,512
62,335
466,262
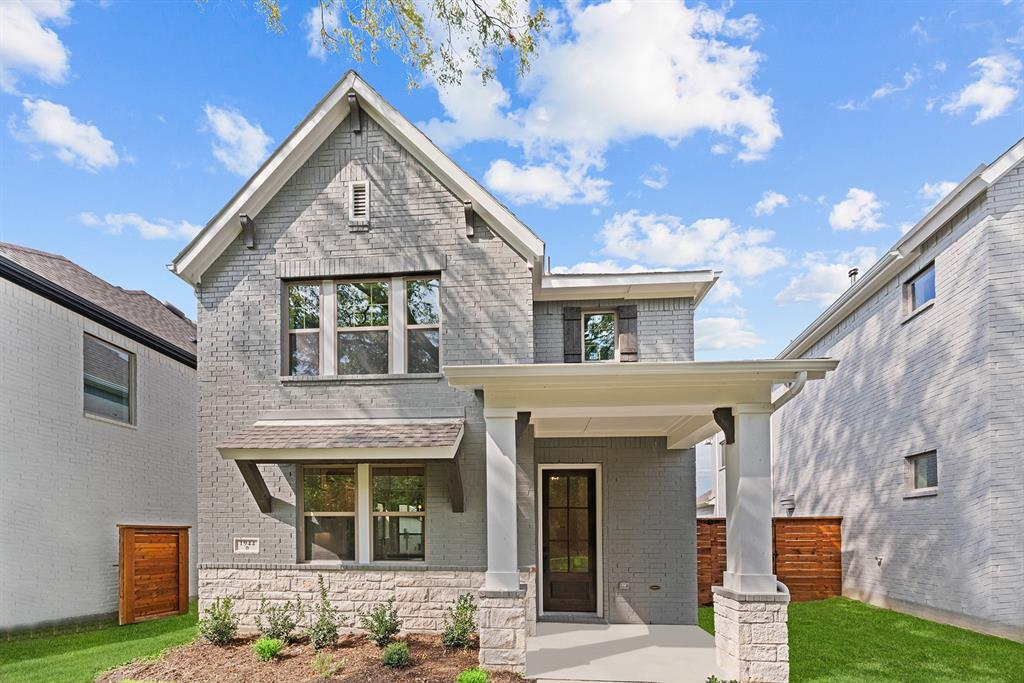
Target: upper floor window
109,380
338,327
919,291
599,331
922,473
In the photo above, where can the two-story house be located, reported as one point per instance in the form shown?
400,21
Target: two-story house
918,439
395,395
97,429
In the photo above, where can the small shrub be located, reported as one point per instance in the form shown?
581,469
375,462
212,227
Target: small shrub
395,655
473,675
324,666
381,623
323,632
460,623
716,679
279,621
218,625
268,648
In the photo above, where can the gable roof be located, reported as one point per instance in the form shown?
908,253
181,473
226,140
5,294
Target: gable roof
201,252
133,313
906,249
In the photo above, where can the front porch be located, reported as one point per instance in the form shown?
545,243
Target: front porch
624,653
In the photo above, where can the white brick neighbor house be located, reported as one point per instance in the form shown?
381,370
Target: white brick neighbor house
395,395
918,439
97,429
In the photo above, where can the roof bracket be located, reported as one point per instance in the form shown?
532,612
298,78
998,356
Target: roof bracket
724,418
254,480
469,218
455,491
248,230
353,106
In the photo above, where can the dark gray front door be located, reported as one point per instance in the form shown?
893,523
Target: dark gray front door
569,540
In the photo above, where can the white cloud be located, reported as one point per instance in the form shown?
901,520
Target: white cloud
940,66
724,333
315,19
720,148
822,281
239,145
999,77
933,192
27,46
905,227
161,229
723,291
770,201
616,72
920,31
595,267
75,143
909,78
861,210
547,184
665,241
656,177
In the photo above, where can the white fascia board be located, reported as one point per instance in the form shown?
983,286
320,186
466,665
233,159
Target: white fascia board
564,287
204,249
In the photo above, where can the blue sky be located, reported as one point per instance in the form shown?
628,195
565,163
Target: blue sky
779,142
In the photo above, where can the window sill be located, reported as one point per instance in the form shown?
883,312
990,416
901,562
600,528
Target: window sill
362,379
922,493
110,421
917,311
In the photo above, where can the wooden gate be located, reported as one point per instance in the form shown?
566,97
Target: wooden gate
153,569
807,556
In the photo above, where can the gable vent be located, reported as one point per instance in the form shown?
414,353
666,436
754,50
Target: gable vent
359,202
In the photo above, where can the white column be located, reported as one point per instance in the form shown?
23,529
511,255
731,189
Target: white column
502,552
364,520
748,499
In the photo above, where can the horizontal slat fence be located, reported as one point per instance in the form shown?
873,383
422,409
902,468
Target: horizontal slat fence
807,556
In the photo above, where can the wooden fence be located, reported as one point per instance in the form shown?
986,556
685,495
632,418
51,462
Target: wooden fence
807,556
153,570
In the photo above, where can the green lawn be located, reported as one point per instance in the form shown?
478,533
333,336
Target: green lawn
845,640
79,657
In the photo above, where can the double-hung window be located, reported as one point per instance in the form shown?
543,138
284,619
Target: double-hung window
108,380
364,327
599,331
399,513
329,513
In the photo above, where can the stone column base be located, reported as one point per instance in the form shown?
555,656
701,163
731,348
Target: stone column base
751,635
504,619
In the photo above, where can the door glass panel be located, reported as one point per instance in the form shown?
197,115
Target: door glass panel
579,557
579,525
557,525
578,492
558,559
557,492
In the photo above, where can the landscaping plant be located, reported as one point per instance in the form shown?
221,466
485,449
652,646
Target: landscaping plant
323,632
324,666
460,623
474,675
381,623
279,621
268,648
395,655
218,625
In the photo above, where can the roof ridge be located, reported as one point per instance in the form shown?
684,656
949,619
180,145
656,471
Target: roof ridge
40,252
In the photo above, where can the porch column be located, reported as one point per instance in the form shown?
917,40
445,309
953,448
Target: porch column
502,552
748,501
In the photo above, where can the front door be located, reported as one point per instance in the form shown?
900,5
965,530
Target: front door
569,540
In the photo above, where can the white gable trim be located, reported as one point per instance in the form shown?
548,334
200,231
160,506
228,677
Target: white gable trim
202,251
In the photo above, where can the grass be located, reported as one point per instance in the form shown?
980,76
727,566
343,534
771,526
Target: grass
79,657
845,641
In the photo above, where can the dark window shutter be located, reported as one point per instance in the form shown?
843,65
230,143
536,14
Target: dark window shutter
628,352
572,341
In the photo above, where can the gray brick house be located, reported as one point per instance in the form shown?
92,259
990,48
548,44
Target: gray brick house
921,429
97,429
395,395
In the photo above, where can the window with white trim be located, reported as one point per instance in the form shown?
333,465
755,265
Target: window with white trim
599,332
922,472
108,374
919,291
399,513
363,327
329,513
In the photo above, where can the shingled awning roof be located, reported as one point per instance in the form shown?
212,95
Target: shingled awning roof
320,441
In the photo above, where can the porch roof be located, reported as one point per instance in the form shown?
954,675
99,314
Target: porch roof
674,399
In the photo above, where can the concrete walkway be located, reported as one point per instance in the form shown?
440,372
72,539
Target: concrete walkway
620,653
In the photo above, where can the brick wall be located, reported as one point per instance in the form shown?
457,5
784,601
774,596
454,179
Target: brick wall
948,379
67,480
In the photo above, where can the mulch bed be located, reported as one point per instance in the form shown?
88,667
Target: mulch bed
201,662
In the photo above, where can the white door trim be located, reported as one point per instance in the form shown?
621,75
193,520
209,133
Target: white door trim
598,514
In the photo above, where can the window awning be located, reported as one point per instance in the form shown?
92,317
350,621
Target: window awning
331,440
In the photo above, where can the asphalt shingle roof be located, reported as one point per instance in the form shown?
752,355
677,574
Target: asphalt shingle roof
134,306
347,434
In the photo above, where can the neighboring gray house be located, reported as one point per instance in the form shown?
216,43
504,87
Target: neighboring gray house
97,428
394,394
918,438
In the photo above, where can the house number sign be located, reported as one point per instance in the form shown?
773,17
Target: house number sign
247,546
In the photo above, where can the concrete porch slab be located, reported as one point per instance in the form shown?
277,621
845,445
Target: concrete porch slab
620,653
